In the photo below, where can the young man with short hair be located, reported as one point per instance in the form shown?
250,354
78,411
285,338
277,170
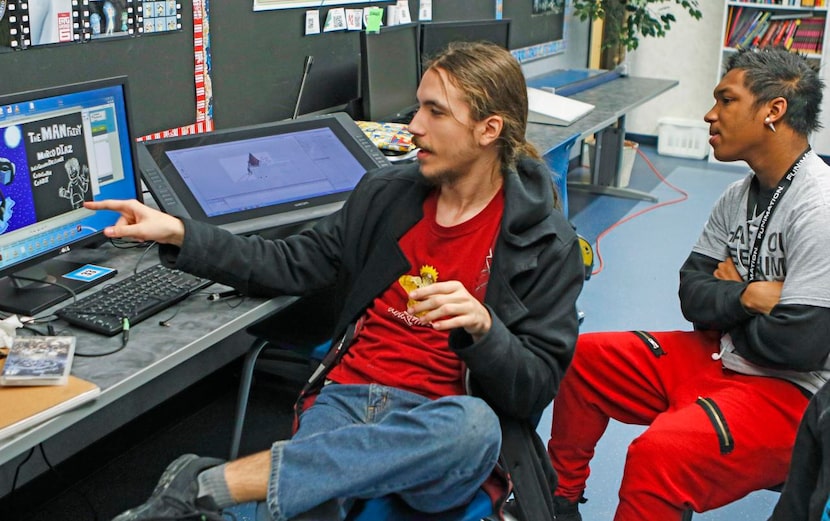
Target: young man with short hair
722,402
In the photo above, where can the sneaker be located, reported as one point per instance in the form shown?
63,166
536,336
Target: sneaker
175,494
567,510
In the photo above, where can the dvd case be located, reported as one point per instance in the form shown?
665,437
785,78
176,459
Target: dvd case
38,360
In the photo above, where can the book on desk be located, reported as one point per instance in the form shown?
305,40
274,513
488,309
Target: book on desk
23,407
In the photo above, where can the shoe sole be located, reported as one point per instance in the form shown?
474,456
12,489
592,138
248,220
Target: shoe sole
163,484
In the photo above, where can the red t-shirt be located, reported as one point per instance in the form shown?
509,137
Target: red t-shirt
395,348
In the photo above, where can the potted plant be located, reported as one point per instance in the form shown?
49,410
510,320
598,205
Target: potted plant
626,21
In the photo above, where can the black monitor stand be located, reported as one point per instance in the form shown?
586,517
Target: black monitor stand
32,290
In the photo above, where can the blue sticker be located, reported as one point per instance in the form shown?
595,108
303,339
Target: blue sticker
88,273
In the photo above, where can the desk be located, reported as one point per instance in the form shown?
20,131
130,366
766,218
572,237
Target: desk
612,101
157,363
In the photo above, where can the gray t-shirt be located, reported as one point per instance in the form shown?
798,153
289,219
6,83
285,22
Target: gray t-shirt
795,250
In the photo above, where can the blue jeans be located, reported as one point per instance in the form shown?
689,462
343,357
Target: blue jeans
366,441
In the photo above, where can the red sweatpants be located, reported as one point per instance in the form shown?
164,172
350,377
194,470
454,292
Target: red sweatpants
713,435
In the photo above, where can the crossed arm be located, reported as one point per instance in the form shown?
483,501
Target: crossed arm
757,296
783,336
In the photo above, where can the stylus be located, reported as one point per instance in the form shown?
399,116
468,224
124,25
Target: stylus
224,294
306,70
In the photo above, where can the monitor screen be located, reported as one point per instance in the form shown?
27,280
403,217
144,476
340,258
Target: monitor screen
544,29
389,73
436,36
59,147
253,179
332,86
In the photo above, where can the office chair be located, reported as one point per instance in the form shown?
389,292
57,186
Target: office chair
287,345
558,160
390,509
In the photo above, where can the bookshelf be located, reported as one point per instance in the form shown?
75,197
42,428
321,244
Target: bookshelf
800,25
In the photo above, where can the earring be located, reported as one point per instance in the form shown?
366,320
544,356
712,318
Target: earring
769,124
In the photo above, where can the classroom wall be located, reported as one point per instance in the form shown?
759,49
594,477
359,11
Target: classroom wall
689,53
257,62
265,61
159,67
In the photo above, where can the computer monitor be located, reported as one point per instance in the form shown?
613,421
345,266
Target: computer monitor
389,73
59,147
436,36
260,178
544,29
332,85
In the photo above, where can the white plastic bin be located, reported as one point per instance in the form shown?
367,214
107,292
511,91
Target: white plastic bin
683,138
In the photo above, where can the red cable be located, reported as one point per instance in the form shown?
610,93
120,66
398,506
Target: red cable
680,199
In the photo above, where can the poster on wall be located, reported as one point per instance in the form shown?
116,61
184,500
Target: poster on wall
158,17
46,22
9,26
110,18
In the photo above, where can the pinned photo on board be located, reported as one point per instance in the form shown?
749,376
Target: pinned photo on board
46,22
110,18
9,26
159,17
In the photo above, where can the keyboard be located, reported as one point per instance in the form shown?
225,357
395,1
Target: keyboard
134,298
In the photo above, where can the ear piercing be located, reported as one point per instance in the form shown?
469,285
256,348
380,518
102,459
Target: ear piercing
769,124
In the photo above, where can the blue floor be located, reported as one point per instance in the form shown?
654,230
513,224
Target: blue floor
637,289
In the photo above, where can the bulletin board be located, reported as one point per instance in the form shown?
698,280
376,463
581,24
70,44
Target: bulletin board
256,62
159,69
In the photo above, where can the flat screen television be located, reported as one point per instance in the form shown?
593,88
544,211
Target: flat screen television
59,147
436,36
260,178
389,73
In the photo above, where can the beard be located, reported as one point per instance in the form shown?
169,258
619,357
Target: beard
443,178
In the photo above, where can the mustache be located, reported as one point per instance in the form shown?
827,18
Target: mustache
419,144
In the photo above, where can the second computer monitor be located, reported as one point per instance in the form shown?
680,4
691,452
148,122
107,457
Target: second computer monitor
389,73
436,36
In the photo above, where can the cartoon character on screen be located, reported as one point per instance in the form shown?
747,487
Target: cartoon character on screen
6,203
109,14
78,183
